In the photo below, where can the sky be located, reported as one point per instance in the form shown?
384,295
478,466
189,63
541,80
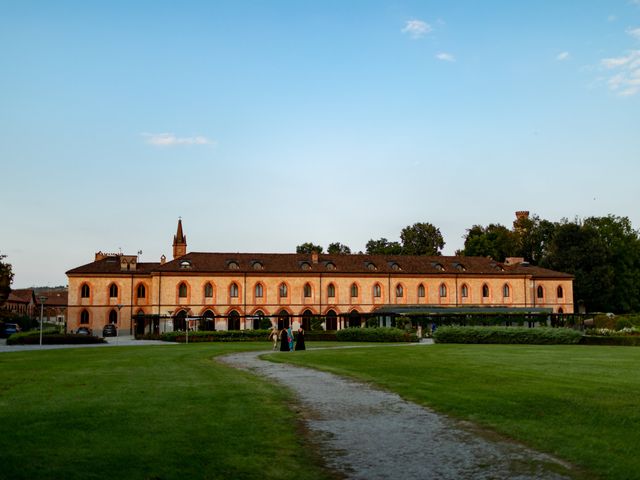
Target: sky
267,124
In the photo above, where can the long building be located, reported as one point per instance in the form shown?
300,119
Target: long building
242,290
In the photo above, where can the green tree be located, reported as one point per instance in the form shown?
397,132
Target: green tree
495,241
383,247
6,278
421,239
532,236
338,248
309,247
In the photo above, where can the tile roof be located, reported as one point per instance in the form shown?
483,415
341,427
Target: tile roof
290,263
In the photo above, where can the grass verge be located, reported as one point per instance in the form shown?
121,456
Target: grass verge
578,403
158,412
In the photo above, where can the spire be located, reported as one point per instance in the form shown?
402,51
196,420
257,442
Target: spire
179,242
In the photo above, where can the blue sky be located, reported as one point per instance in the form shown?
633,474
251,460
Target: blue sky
265,124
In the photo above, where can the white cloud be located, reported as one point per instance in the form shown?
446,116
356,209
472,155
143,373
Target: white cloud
634,32
170,140
446,57
625,79
416,28
562,56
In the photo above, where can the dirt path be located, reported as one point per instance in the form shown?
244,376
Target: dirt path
366,433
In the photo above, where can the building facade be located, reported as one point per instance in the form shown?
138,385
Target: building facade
241,290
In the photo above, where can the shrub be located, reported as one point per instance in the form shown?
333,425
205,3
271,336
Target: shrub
52,338
507,335
614,340
320,336
216,336
383,334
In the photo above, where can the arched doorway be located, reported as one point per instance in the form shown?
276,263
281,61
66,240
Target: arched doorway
355,320
233,321
180,321
208,321
331,320
258,320
113,317
283,319
306,320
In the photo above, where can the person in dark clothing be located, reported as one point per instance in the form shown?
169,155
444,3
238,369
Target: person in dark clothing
284,340
300,339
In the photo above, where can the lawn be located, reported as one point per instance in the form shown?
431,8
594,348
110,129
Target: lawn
160,412
579,403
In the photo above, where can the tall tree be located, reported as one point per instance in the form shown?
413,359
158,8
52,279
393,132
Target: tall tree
6,278
532,236
383,247
338,248
309,247
495,241
421,239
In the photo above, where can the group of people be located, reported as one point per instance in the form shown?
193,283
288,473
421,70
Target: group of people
287,341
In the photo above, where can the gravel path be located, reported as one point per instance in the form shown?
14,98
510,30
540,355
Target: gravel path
368,433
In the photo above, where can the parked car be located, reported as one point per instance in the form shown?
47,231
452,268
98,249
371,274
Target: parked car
83,331
110,330
8,329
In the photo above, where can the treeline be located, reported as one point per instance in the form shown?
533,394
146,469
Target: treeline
603,253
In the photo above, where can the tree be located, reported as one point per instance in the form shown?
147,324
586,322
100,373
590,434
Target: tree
495,241
309,247
338,248
421,239
6,278
532,237
383,247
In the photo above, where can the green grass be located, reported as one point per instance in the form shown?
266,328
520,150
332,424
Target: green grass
159,412
579,403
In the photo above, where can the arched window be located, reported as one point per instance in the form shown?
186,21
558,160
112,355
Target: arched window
560,311
233,290
443,290
141,291
399,291
506,291
258,319
84,316
113,316
283,290
560,292
485,291
331,321
377,290
85,292
259,290
283,319
306,320
113,291
208,290
464,291
233,321
307,290
331,290
209,322
354,290
540,291
182,290
421,291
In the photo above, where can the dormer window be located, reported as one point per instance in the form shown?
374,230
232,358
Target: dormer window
331,266
185,264
439,267
257,266
233,265
460,267
305,266
371,266
394,266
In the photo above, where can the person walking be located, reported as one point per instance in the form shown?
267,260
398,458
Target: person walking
290,336
284,340
300,339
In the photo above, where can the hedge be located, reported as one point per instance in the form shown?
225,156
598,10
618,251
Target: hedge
216,336
29,338
618,340
383,334
507,335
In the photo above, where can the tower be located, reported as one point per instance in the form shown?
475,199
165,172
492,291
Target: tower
179,242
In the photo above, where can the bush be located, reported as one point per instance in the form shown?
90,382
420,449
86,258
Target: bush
52,338
507,335
384,334
217,336
616,340
320,336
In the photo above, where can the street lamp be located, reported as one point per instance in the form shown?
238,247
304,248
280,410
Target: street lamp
41,299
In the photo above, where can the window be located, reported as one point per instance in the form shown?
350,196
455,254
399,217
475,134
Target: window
331,290
208,290
305,266
233,321
540,291
141,291
113,316
485,291
464,291
371,266
438,267
307,290
354,290
377,291
85,292
283,290
259,290
257,266
113,291
506,291
443,290
399,291
185,264
331,320
331,266
560,292
182,290
460,267
84,317
233,265
421,291
395,266
233,290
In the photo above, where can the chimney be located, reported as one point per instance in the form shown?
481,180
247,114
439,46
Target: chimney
163,260
513,260
314,258
99,256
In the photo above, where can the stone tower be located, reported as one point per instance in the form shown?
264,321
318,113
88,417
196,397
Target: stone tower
179,242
